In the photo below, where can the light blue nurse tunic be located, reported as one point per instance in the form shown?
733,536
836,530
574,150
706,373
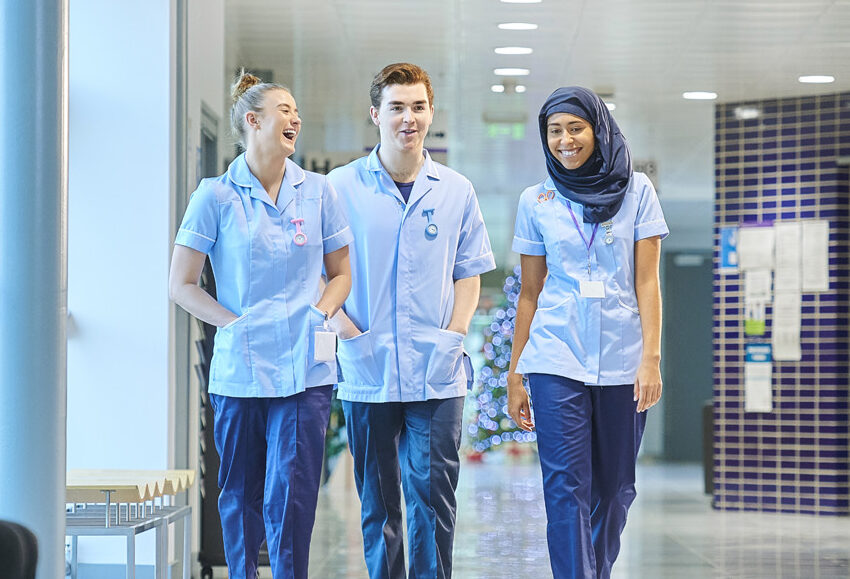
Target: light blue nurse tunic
597,341
264,278
403,277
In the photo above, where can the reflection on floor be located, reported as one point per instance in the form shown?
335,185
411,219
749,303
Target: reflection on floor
672,532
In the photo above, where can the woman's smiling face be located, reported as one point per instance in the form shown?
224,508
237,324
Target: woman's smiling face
570,138
277,125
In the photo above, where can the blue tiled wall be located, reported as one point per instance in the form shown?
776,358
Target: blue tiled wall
787,165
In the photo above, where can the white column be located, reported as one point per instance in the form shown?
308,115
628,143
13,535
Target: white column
33,271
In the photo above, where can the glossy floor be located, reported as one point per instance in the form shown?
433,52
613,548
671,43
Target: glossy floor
672,532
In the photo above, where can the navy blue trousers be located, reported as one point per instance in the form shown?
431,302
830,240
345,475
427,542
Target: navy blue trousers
588,439
271,453
414,444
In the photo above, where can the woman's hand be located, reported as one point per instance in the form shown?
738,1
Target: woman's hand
533,277
648,385
518,405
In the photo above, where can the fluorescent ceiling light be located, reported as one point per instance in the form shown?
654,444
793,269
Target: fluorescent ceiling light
520,88
511,71
522,1
498,88
517,26
817,78
699,96
610,106
514,50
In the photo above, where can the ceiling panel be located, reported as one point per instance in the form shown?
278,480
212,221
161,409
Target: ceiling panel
644,52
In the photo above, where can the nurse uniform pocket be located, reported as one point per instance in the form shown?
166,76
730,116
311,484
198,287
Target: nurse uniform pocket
561,322
232,353
446,361
234,321
632,309
358,361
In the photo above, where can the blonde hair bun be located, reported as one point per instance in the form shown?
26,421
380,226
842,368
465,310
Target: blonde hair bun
247,98
245,81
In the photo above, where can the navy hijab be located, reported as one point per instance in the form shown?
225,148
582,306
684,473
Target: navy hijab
600,184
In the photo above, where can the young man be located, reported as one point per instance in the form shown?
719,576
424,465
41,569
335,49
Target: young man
420,245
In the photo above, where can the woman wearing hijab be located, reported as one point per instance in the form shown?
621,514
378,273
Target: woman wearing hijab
588,327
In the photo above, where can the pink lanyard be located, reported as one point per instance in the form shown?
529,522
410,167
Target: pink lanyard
587,243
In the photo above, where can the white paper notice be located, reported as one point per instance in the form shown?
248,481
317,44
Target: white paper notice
757,285
755,247
758,387
786,277
815,256
758,381
786,327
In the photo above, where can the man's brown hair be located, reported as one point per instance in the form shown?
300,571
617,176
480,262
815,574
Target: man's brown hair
399,73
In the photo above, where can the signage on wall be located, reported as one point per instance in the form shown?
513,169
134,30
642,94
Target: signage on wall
728,250
650,168
758,378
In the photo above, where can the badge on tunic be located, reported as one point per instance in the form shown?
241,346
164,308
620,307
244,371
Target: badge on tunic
545,196
609,232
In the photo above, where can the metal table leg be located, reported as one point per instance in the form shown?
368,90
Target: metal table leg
164,549
108,494
131,556
74,557
187,544
161,530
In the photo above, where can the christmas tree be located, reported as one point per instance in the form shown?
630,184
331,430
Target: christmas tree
490,425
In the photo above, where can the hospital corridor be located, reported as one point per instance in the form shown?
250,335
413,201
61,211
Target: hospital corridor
383,289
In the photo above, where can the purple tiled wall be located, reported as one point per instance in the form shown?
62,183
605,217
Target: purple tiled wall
790,164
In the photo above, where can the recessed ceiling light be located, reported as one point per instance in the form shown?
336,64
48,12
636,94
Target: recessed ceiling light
517,26
520,88
522,1
498,88
699,95
610,106
511,71
514,50
817,78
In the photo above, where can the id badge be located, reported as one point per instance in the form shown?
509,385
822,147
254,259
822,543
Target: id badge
325,345
592,289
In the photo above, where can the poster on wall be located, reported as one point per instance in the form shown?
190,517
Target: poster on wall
815,266
786,325
755,246
787,256
757,285
756,298
758,378
755,318
728,249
